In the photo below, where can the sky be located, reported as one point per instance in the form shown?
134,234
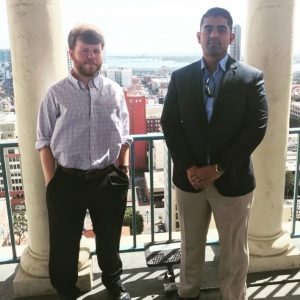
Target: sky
146,26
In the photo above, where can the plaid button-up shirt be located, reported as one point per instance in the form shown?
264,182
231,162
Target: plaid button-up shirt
85,129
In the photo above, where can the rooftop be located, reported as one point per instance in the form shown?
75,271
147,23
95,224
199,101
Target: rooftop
142,282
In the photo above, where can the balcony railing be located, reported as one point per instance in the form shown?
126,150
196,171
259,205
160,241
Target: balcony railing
135,246
296,202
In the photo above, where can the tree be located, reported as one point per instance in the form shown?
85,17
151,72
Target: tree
139,221
160,217
289,182
20,225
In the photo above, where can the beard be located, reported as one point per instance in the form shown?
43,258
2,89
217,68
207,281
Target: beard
88,68
215,50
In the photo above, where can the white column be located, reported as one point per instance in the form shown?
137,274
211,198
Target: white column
269,47
38,60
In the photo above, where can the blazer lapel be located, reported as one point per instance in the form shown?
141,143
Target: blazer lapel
230,75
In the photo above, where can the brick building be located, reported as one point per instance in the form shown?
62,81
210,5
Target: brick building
136,104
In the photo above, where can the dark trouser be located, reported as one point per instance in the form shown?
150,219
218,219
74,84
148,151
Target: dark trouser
68,198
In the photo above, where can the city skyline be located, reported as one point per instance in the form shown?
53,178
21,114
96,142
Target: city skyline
146,27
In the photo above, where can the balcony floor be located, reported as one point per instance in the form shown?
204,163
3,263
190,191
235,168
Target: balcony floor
142,282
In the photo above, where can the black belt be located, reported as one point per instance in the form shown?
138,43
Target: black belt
89,174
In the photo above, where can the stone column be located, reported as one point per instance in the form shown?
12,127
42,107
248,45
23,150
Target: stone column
269,47
38,60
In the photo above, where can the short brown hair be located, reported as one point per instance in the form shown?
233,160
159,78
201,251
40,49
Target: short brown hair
87,33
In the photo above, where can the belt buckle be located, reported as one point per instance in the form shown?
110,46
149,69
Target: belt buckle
87,173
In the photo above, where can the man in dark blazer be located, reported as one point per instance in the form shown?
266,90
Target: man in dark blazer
214,116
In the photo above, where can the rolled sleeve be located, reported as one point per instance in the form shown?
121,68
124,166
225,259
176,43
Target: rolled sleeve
47,117
126,138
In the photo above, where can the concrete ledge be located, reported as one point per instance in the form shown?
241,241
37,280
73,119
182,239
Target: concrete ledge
290,259
25,285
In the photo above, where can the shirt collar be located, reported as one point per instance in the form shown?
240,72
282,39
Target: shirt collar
221,64
96,81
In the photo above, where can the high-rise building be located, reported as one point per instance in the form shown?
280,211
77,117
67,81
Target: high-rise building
120,75
136,104
235,47
13,177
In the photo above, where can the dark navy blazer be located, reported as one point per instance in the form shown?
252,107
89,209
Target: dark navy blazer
237,126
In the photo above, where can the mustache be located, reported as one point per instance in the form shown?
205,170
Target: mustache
213,40
89,62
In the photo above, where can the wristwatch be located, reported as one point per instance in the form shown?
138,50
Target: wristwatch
219,170
124,167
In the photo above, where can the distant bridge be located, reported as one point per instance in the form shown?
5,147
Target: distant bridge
135,57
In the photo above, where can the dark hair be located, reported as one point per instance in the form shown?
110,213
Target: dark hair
218,12
89,34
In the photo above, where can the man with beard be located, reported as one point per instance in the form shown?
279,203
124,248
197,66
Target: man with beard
83,130
214,116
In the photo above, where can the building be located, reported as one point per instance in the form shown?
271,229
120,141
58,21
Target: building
169,192
136,104
8,128
120,75
163,71
158,154
153,114
235,47
158,185
14,177
153,125
159,83
15,188
295,110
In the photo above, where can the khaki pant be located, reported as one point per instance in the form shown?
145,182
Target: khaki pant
231,215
